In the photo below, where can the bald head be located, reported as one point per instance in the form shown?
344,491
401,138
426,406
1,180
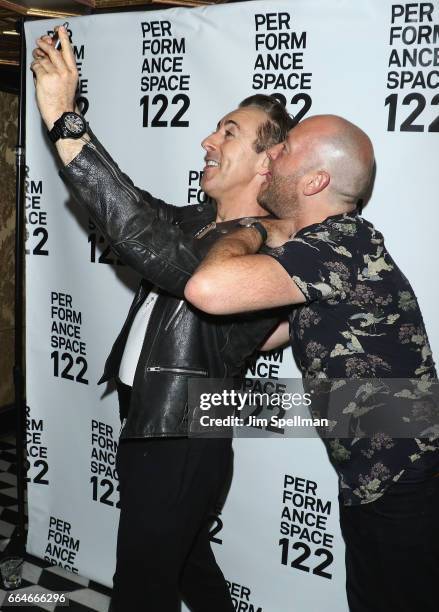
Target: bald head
325,167
342,149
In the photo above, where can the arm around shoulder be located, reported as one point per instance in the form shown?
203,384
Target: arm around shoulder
241,284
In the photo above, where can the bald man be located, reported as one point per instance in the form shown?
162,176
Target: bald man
354,316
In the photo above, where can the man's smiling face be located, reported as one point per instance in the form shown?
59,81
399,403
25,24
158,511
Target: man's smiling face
231,160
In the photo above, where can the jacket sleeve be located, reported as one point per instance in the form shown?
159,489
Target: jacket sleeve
142,230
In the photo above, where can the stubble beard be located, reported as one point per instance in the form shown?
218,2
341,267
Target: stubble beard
280,197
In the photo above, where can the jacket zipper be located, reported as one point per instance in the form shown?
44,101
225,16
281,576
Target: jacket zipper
146,334
123,184
205,230
176,370
174,315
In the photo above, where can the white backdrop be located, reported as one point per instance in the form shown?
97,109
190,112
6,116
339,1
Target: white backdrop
370,61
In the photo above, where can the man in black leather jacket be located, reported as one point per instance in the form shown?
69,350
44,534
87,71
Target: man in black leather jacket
169,483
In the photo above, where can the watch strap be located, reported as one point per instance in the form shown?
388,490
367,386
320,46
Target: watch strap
260,228
56,132
59,130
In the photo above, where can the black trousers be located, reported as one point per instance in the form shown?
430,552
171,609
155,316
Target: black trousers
392,550
168,490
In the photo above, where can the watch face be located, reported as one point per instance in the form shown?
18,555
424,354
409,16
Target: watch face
74,123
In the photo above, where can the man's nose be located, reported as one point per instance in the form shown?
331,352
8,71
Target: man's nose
209,143
275,150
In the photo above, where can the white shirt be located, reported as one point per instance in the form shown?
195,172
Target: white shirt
135,339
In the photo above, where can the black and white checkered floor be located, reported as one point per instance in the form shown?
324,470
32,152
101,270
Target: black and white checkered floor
38,576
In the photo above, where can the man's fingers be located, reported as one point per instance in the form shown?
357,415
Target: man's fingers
47,64
63,59
37,68
54,56
66,48
42,65
37,53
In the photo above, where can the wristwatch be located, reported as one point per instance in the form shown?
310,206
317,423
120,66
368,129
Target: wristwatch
251,222
69,125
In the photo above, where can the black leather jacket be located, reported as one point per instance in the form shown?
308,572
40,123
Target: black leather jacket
156,239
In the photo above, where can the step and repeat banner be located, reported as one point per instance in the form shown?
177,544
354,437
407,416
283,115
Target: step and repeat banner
153,85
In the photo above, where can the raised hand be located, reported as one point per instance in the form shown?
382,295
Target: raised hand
56,77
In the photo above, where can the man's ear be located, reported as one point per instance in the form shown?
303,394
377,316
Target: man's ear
317,182
263,164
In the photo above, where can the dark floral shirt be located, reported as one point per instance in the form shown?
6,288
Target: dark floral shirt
361,320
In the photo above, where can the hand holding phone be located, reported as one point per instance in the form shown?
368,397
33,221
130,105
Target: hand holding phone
56,76
55,38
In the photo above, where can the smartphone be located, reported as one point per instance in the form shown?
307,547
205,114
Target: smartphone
55,37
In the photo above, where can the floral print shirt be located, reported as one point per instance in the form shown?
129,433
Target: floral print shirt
361,320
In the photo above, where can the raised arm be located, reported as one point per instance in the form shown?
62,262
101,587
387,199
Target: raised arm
56,80
142,230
